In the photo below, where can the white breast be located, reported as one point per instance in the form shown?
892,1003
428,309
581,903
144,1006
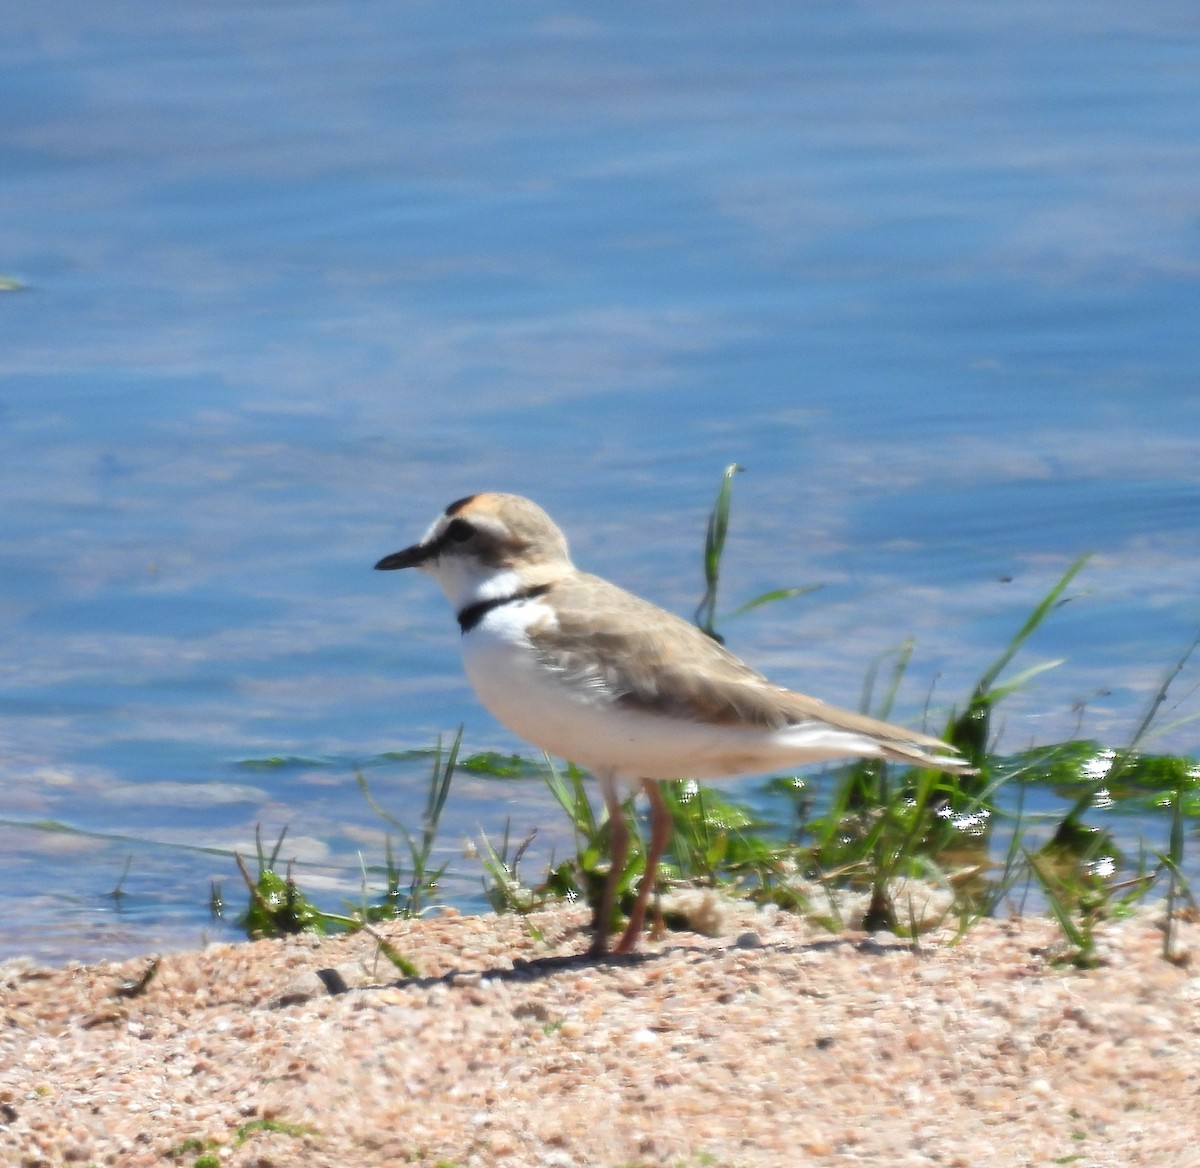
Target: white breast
586,726
517,688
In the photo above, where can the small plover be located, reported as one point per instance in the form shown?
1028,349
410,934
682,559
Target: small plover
588,672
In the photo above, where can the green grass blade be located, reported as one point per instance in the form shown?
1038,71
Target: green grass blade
375,806
1056,904
1022,679
903,654
770,597
1155,705
1031,624
714,549
439,789
969,731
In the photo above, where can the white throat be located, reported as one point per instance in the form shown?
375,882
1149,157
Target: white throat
466,581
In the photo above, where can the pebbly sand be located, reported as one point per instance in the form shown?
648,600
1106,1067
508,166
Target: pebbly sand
774,1044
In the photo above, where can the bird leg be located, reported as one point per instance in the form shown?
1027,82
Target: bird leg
618,849
660,834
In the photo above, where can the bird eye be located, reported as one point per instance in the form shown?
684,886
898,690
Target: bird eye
458,530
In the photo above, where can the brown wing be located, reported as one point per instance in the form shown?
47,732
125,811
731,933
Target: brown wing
650,659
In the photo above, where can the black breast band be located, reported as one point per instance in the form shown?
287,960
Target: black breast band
470,616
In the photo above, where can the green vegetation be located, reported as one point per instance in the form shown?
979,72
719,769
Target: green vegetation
209,1149
244,1132
278,907
423,879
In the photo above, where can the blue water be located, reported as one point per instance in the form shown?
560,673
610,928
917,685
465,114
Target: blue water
296,276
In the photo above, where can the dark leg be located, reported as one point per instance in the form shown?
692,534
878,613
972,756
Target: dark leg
660,835
618,849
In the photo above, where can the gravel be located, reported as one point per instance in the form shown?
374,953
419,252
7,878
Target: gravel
772,1044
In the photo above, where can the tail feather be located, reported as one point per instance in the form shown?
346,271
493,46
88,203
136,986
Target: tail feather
817,740
942,757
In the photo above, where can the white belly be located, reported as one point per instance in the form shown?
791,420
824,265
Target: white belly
586,726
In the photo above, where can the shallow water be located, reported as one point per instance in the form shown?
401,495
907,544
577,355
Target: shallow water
296,279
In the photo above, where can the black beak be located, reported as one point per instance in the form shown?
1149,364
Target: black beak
410,557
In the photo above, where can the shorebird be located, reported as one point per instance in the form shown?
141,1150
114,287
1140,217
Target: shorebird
591,673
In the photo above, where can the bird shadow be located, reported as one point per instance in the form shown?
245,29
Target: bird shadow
524,970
